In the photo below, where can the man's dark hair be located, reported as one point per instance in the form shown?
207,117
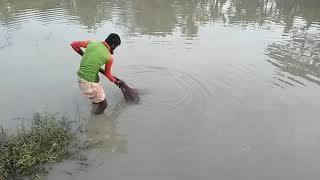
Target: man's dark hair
113,39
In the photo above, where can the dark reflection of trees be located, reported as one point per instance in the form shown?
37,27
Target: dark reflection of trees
281,11
194,13
154,17
90,13
6,14
161,17
298,55
9,8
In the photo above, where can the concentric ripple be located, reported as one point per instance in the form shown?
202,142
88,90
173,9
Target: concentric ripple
168,87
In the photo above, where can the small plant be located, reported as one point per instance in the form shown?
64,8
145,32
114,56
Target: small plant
28,150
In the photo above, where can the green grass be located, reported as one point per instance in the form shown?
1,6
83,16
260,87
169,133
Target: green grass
27,151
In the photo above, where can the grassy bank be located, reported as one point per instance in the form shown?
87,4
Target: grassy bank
27,151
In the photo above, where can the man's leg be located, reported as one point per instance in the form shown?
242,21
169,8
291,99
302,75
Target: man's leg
95,92
101,107
99,98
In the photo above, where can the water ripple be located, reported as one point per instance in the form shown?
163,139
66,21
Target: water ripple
169,87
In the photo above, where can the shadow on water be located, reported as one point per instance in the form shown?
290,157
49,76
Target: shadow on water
102,130
100,135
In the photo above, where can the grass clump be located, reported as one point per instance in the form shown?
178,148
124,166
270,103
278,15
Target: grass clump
28,150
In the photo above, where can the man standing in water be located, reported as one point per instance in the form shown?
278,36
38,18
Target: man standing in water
96,55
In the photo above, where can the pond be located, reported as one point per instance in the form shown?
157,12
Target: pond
229,88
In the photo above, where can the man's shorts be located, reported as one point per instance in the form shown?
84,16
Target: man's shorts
92,90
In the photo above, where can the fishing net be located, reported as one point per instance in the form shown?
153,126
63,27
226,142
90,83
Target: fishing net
130,95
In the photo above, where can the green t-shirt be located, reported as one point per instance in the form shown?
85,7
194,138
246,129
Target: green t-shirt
95,55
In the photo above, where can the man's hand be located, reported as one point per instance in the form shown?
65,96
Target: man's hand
118,82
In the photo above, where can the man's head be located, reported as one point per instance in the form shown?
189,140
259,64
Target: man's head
113,41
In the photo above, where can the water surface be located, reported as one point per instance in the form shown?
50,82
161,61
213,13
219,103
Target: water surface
230,88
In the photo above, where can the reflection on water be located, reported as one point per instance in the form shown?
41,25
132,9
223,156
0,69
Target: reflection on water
102,131
299,55
211,70
160,17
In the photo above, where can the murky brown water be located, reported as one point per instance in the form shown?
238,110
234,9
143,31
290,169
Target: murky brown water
230,87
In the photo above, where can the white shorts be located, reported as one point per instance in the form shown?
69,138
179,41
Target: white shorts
92,90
